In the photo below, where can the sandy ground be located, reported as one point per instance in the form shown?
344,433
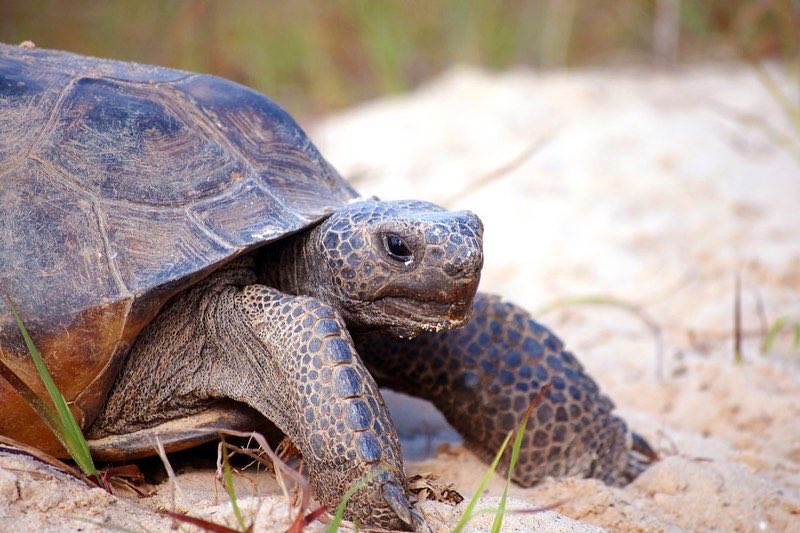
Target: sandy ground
655,189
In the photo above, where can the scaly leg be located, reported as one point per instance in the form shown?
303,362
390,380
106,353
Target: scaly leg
483,376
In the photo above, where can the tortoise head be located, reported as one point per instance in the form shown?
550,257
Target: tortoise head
402,266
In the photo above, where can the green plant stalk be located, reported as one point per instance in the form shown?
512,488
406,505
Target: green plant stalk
498,518
465,518
226,466
333,527
774,329
796,341
65,427
777,326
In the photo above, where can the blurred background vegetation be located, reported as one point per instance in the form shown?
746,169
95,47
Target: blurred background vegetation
314,56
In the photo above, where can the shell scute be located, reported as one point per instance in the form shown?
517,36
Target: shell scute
120,185
134,144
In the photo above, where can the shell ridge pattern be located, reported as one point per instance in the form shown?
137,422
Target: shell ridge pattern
189,116
110,254
52,117
91,194
211,128
211,234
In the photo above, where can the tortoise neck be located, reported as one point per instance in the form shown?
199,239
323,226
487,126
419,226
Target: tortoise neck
292,267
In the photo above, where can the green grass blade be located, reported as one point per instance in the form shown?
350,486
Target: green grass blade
796,341
773,331
481,487
333,527
226,465
67,430
498,518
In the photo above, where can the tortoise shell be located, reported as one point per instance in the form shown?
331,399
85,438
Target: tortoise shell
120,185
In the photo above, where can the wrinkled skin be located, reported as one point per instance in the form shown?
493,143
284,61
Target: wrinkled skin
292,330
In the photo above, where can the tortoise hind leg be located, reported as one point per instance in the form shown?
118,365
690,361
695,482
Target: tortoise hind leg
288,357
483,377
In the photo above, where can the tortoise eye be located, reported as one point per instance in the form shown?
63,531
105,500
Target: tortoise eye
397,248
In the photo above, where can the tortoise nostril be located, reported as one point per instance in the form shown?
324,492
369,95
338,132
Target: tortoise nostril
467,263
470,224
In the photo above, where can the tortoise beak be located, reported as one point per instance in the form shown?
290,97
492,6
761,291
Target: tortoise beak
459,314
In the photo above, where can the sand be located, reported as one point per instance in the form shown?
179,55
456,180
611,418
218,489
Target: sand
655,189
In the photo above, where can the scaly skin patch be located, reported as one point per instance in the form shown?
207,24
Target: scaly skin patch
483,376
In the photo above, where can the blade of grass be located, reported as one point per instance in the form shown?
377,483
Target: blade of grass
791,109
738,358
70,433
501,508
481,487
333,527
277,463
498,518
507,168
778,325
176,489
796,341
774,329
226,466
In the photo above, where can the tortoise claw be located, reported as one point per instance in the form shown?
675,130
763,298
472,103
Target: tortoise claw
420,524
396,499
641,446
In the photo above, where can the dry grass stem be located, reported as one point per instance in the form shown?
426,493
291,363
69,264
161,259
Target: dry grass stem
170,472
502,170
277,463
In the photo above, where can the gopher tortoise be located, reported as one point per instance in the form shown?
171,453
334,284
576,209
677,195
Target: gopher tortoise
186,260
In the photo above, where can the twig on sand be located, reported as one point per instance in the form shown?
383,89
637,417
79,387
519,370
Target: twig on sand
502,170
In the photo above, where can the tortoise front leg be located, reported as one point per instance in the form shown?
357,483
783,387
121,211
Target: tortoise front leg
288,357
330,405
483,377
